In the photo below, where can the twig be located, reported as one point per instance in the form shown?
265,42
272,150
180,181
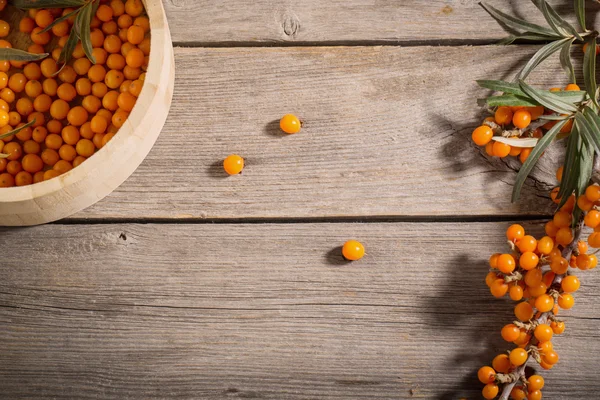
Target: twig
566,253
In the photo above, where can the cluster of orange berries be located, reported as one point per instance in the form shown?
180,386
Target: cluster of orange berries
517,117
289,123
77,107
538,274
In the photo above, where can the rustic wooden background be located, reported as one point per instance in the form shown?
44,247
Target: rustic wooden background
187,284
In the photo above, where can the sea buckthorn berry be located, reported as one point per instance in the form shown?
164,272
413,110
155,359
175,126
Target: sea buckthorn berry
566,301
48,67
113,79
499,288
233,164
7,95
545,245
145,48
489,149
38,177
67,152
38,134
593,193
77,116
126,101
14,150
23,178
533,277
521,119
31,147
501,149
518,356
544,303
136,87
59,109
96,73
290,124
118,7
524,311
26,25
70,135
81,66
571,87
98,124
134,58
584,203
517,393
97,38
32,163
515,151
562,219
78,160
62,166
564,236
134,8
543,333
515,292
33,88
124,21
104,13
143,22
538,290
582,247
524,154
110,27
42,103
14,167
98,140
515,233
91,104
115,61
135,34
119,118
558,327
528,260
112,44
510,332
50,174
61,29
490,391
50,157
527,243
570,284
83,86
106,138
594,240
550,357
39,37
486,374
131,73
583,261
352,249
490,278
503,115
593,261
43,18
85,148
100,55
32,71
506,263
501,363
78,51
6,180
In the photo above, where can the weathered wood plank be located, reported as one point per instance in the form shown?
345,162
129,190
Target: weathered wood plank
263,311
343,21
387,132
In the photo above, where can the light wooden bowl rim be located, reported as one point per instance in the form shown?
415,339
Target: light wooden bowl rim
159,79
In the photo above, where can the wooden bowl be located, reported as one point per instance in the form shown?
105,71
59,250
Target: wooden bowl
110,166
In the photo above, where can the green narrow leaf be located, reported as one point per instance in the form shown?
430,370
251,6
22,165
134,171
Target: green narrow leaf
20,55
565,61
571,165
83,21
17,130
587,130
586,161
517,23
558,24
510,100
59,20
589,70
540,56
580,12
501,86
67,51
534,156
548,99
533,37
32,4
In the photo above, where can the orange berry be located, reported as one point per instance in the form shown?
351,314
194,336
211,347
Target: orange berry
32,71
490,391
506,263
538,290
112,44
135,88
486,374
115,61
42,103
23,178
564,236
527,243
501,149
134,8
592,219
110,100
524,311
524,154
543,333
233,164
50,156
518,356
43,18
81,66
572,87
528,260
83,86
119,118
98,124
516,292
124,21
498,288
77,116
584,203
570,284
126,101
99,54
26,25
503,115
135,34
39,37
544,303
113,79
62,166
96,73
533,277
104,13
50,174
91,104
78,160
517,393
521,119
550,357
67,152
510,332
85,148
110,27
515,233
118,7
289,123
545,245
59,109
501,363
61,29
70,135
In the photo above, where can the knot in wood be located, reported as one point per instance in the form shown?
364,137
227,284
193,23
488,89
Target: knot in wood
291,25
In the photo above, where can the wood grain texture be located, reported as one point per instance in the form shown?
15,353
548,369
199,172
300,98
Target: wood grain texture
285,22
264,311
387,132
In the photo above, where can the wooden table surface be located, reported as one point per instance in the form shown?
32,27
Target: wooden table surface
186,284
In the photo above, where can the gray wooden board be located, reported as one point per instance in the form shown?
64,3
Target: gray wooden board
266,311
284,22
387,132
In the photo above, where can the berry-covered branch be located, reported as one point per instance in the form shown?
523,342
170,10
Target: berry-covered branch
538,273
